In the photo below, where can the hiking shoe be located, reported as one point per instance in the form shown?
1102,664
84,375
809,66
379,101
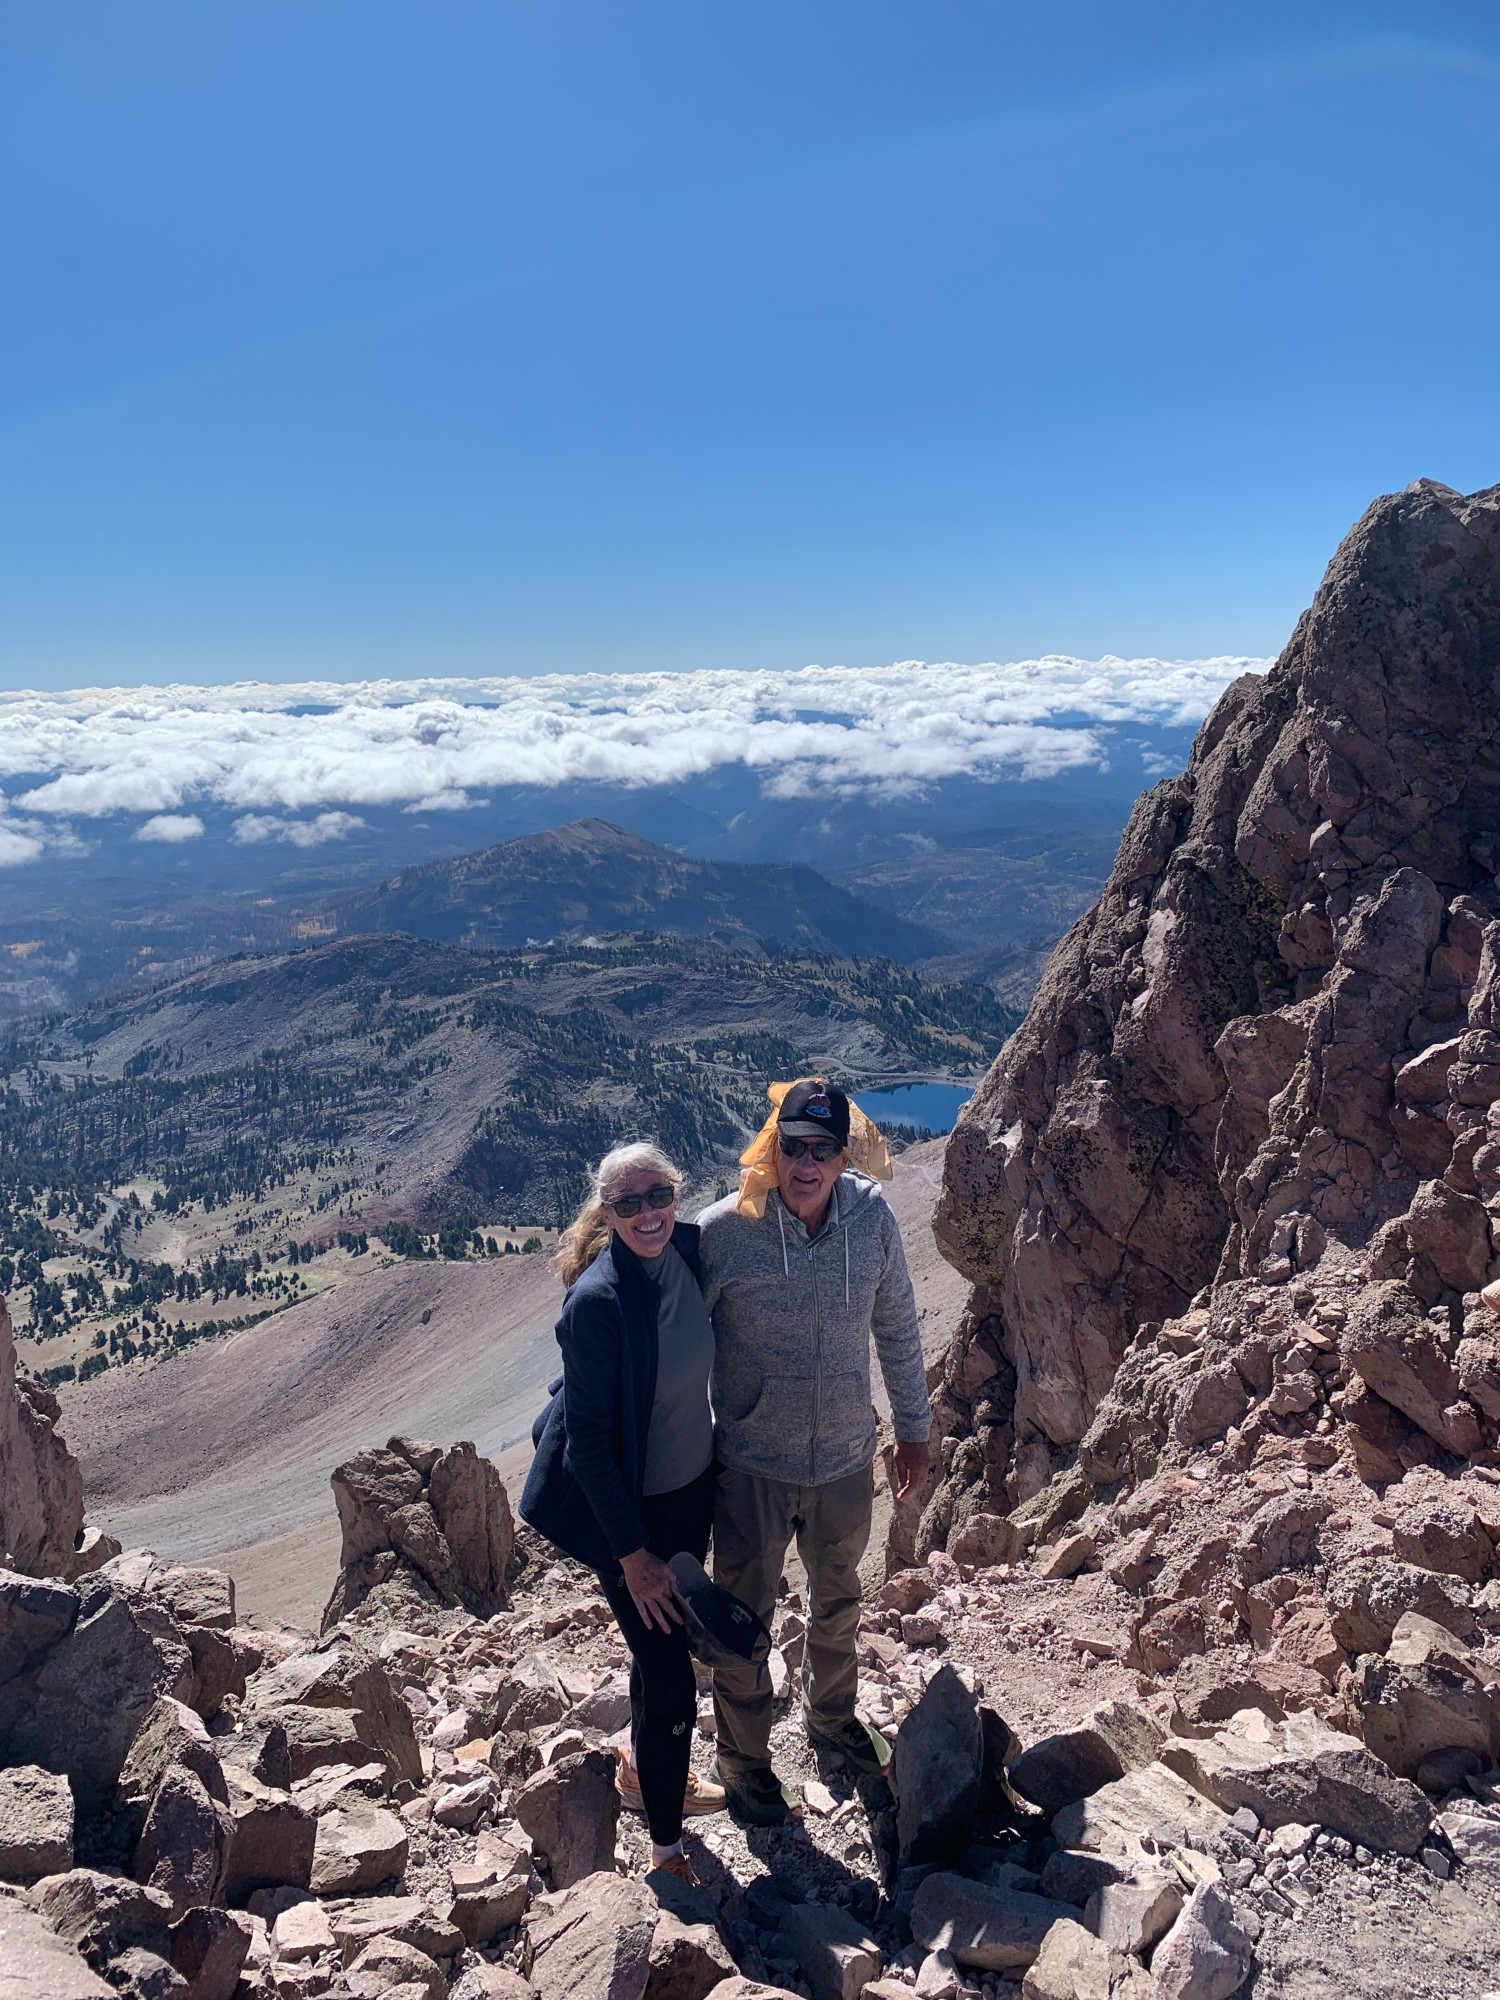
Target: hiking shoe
702,1794
758,1798
860,1745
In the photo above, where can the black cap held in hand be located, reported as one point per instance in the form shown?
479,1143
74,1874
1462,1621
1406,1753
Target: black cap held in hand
813,1109
722,1630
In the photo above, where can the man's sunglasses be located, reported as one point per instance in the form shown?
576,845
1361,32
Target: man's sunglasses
632,1204
822,1150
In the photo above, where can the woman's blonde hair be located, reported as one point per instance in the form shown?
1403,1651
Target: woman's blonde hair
589,1231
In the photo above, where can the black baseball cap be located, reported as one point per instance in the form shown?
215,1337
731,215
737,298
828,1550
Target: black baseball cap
722,1630
813,1109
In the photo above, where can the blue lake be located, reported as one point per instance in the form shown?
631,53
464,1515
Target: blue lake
935,1105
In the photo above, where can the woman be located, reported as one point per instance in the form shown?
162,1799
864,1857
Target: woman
623,1476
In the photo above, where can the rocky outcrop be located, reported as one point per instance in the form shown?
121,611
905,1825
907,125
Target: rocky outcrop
1230,1202
41,1490
420,1522
1268,1054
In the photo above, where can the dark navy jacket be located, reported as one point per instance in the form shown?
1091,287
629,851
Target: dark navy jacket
584,1488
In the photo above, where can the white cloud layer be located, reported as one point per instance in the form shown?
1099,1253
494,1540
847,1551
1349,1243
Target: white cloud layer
270,753
253,827
171,828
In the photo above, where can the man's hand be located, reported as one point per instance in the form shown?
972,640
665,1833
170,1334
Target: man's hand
653,1588
913,1463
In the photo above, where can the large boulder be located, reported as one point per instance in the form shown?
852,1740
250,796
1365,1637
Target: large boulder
1057,1770
104,1914
36,1824
688,1960
1426,1693
357,1847
993,1929
272,1838
33,1617
594,1943
1205,1955
78,1706
209,1948
571,1810
937,1768
1139,1814
344,1673
37,1964
836,1953
1302,1772
413,1514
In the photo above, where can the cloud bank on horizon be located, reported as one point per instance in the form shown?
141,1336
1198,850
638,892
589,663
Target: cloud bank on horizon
295,761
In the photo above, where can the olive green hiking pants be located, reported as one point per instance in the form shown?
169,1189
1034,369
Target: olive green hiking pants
754,1522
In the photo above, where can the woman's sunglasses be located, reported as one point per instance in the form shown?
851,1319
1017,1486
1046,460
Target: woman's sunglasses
632,1204
822,1150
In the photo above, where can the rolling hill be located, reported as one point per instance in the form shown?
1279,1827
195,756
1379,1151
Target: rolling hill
591,877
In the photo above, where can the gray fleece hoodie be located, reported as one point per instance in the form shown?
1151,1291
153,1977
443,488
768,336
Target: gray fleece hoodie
792,1328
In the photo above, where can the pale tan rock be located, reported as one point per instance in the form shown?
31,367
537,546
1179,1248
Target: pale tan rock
1067,1557
357,1847
1114,1739
387,1968
1071,1965
1427,1693
1130,1917
1443,1535
358,1920
995,1929
1152,1803
36,1824
302,1932
1302,1770
1205,1955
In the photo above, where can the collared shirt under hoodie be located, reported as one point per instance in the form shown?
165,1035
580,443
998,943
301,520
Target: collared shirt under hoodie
680,1441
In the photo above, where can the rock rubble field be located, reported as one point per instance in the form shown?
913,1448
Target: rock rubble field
1190,1653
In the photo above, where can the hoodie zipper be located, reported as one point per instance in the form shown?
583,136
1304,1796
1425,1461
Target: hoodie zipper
812,1278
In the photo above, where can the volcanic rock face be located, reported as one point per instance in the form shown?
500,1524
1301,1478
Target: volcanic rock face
1230,1198
1266,1062
41,1492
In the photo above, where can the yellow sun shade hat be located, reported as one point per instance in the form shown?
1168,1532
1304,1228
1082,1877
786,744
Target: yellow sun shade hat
868,1152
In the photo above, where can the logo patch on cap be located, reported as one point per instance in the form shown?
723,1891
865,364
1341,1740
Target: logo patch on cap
817,1107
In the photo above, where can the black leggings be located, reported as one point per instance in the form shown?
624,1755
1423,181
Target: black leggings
663,1692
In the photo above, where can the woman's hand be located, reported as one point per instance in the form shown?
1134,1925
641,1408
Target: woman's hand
653,1589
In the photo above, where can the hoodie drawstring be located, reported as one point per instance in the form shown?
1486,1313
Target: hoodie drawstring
786,1271
846,1267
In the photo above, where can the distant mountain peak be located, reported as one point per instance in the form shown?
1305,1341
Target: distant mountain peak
589,877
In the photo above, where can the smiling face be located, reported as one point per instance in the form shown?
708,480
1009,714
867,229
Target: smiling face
648,1232
806,1184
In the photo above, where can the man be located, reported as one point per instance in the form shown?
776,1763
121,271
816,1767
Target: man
801,1270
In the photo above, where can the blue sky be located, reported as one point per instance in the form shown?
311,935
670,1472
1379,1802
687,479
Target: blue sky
364,339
